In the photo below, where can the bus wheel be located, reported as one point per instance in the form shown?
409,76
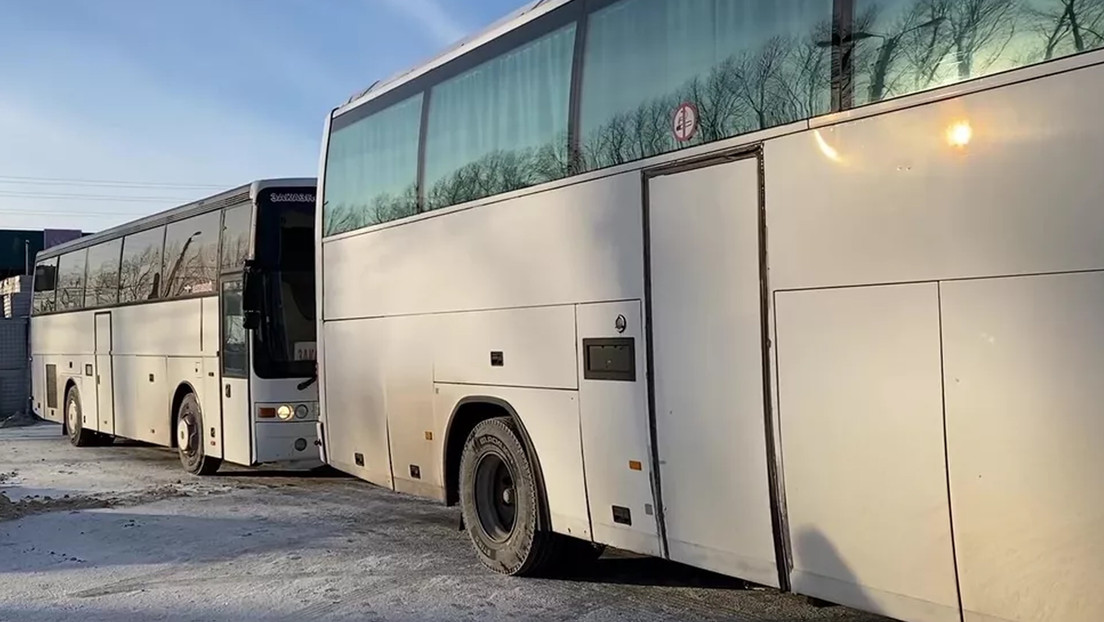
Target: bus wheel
500,501
189,439
78,436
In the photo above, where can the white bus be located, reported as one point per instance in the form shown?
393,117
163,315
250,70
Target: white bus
192,328
807,292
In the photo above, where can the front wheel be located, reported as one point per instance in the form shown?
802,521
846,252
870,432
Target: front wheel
500,501
189,439
74,422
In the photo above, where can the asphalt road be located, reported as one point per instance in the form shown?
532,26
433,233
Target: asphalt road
121,533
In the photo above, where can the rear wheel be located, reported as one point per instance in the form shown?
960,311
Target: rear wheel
189,439
74,422
500,501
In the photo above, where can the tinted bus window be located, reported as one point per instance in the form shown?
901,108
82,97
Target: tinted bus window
235,236
501,126
372,169
191,256
660,75
44,299
140,273
905,46
102,288
71,280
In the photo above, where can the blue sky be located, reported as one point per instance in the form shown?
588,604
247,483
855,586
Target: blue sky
171,100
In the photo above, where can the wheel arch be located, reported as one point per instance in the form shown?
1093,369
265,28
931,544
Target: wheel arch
470,412
182,390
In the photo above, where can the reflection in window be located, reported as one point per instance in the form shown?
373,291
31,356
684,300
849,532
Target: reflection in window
235,355
102,288
905,46
44,299
71,280
744,65
140,273
235,236
372,169
191,256
501,126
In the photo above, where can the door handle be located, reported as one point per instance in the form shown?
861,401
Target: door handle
227,390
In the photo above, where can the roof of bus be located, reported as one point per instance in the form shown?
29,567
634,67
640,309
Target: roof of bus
527,13
215,201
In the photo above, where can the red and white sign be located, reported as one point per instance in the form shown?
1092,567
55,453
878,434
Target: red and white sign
685,122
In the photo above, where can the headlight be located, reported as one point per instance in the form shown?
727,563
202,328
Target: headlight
284,412
302,412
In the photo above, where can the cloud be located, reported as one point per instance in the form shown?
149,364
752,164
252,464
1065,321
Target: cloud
432,15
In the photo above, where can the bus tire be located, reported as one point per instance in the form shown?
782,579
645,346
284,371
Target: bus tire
189,439
74,426
500,501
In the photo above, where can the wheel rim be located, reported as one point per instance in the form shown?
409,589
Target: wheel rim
495,497
71,416
187,434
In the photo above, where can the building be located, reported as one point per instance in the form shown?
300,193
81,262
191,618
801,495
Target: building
18,248
17,253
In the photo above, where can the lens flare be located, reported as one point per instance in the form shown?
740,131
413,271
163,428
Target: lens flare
960,134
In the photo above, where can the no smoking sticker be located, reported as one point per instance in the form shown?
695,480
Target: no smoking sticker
685,122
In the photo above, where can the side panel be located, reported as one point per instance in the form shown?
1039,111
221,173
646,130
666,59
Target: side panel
170,328
617,452
67,342
356,400
212,387
707,328
571,245
552,420
142,399
209,327
887,199
237,421
860,403
212,407
1025,430
147,343
537,346
105,379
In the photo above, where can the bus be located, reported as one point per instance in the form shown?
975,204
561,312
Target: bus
191,329
805,292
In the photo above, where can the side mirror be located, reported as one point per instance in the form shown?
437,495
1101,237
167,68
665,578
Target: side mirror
252,295
45,278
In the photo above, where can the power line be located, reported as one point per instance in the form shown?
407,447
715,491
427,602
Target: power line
62,196
130,215
66,181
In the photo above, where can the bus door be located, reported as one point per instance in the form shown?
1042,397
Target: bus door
707,331
105,379
237,422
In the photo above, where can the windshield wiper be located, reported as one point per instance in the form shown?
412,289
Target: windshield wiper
303,386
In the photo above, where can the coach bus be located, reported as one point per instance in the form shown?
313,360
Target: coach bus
806,292
191,329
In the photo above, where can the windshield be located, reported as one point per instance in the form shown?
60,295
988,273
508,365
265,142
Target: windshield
285,345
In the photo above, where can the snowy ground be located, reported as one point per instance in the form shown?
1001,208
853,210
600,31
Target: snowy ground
121,533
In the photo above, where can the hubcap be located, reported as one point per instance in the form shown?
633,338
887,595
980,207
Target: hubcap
495,497
71,413
186,436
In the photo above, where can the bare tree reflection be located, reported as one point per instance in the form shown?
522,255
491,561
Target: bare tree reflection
895,47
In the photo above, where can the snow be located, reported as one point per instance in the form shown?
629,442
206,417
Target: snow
138,539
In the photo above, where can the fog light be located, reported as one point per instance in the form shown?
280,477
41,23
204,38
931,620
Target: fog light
284,412
300,444
301,411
